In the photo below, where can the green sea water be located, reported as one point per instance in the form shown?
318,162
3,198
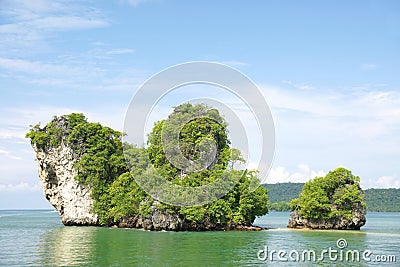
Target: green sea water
37,238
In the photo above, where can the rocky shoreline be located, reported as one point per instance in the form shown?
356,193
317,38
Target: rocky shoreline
354,223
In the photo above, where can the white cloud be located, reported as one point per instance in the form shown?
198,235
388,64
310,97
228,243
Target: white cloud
300,86
8,133
119,51
356,128
66,23
32,24
367,67
301,101
43,25
386,182
369,113
33,27
35,67
24,10
20,187
86,75
301,174
303,167
136,2
50,14
9,155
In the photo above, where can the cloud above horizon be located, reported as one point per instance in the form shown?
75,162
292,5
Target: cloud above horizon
32,23
350,128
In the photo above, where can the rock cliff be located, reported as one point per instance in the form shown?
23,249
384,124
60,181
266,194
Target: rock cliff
56,171
70,198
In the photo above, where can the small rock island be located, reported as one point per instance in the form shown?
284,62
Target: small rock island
335,201
86,178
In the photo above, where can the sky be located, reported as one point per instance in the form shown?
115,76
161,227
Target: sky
329,71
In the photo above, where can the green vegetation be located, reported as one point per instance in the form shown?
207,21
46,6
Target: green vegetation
283,192
378,200
209,127
383,199
336,195
101,164
280,206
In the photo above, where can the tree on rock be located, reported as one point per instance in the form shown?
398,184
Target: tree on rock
179,149
335,201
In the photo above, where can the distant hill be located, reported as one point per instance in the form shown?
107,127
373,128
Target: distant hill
383,199
283,191
377,199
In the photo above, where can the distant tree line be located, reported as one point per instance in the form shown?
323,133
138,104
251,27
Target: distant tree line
379,199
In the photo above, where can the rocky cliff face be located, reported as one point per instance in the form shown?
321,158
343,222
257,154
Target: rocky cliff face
357,220
70,198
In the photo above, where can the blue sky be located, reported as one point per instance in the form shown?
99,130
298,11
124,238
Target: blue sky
329,71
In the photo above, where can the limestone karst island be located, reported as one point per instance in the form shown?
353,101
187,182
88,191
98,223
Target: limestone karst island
86,178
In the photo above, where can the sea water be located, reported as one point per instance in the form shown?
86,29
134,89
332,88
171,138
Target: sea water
38,238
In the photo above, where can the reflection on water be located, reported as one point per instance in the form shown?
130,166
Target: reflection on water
39,239
69,246
95,246
66,246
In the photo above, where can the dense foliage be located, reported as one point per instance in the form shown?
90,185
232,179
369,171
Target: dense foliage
101,164
239,206
383,199
280,206
283,192
336,195
209,126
